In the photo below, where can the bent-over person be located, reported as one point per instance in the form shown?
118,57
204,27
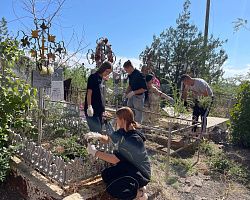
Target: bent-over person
202,95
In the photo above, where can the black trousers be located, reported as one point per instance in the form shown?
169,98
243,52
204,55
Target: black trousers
199,111
121,177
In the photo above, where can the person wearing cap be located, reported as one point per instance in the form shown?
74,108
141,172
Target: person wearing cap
94,105
135,90
200,91
152,101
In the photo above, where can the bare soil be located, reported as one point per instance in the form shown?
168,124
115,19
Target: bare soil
201,184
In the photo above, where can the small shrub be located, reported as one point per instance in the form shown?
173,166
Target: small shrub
220,163
206,148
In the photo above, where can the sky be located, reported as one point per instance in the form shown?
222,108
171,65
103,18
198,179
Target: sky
130,25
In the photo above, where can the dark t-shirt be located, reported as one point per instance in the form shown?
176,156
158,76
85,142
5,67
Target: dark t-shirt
97,100
129,147
137,80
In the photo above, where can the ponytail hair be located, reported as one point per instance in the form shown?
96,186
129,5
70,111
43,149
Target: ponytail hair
127,64
127,114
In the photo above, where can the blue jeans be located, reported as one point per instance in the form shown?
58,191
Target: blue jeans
94,123
136,103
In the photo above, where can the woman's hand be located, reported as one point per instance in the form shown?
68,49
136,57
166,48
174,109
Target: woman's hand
91,149
90,111
92,135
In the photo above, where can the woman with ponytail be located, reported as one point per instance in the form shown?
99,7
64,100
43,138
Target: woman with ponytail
131,170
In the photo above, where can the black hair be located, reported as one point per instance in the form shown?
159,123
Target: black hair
184,77
127,64
149,77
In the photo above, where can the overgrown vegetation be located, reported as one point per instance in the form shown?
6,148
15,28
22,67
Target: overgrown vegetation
62,121
240,116
16,99
78,74
219,162
69,148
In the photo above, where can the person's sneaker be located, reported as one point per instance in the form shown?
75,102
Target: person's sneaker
144,197
143,189
141,194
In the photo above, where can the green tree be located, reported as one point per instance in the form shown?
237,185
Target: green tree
3,29
9,52
180,50
79,75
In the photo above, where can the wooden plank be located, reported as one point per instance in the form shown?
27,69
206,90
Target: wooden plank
215,121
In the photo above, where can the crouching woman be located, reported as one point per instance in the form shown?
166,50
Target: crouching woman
131,171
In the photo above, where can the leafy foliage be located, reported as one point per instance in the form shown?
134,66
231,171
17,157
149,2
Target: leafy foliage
16,99
4,162
78,74
240,116
62,121
178,102
220,163
69,148
8,47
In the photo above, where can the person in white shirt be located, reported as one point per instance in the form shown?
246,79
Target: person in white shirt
152,100
202,98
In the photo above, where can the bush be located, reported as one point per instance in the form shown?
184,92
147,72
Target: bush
240,116
4,162
16,99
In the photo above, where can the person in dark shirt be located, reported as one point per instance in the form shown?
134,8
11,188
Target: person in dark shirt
131,165
135,91
94,105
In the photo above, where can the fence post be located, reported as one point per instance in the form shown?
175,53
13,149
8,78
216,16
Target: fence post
169,145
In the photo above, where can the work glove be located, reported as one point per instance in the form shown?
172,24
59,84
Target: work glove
90,111
91,149
130,94
92,135
170,99
124,96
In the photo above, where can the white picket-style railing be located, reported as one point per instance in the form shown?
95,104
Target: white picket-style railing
55,167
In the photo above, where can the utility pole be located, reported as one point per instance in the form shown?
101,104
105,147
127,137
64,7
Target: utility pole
206,31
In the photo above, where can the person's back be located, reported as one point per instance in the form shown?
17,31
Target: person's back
131,149
202,99
200,87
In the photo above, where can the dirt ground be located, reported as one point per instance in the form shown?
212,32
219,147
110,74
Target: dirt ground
199,185
7,194
181,185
